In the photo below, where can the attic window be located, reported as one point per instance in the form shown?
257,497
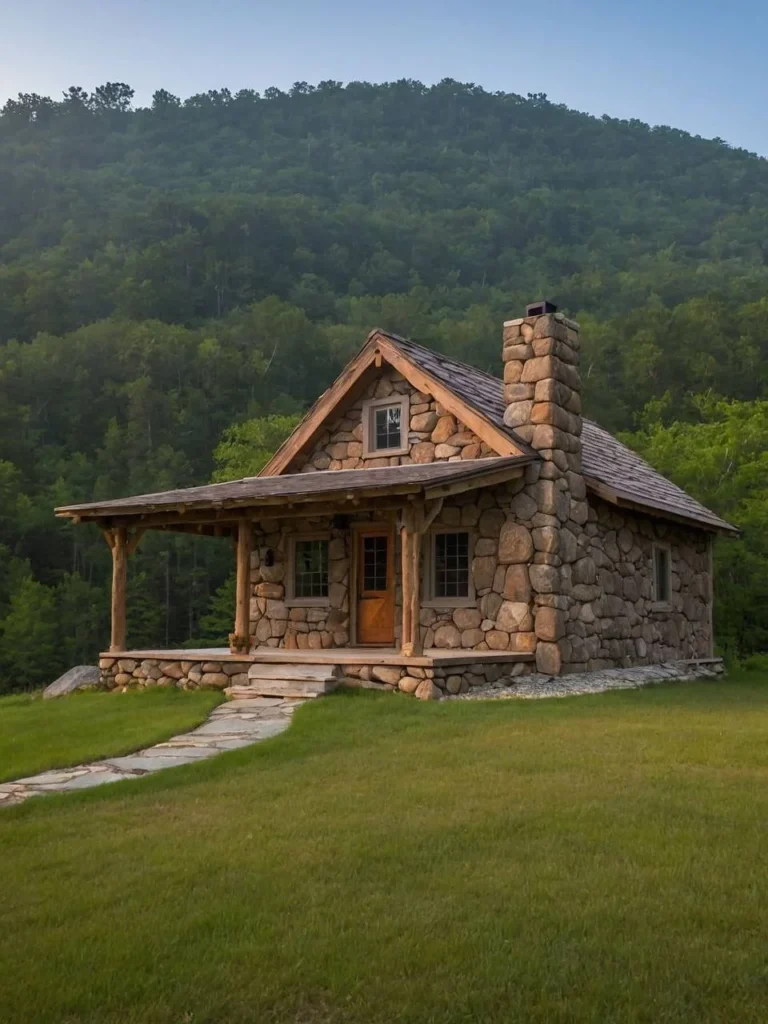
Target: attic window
385,426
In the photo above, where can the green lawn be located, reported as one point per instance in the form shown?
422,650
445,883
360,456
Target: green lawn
37,734
597,859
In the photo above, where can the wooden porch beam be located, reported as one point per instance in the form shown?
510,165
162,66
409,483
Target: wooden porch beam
241,639
122,543
228,518
411,532
119,587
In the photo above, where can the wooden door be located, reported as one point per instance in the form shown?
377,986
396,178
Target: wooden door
375,587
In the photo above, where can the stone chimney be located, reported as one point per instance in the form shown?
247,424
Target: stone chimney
542,393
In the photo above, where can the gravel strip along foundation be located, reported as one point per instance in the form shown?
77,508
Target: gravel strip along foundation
537,686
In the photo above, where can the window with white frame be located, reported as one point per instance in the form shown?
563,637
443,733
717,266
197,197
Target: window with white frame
385,426
662,572
309,570
448,568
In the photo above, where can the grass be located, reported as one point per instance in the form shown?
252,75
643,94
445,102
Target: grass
596,859
37,734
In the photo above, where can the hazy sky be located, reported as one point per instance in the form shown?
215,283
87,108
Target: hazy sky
696,64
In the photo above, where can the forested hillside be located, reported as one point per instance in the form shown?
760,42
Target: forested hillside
194,273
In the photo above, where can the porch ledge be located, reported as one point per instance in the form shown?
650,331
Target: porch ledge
434,656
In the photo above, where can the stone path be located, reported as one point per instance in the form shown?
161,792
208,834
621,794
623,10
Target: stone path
235,724
537,685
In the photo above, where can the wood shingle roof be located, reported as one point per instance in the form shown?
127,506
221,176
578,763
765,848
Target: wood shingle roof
429,478
608,465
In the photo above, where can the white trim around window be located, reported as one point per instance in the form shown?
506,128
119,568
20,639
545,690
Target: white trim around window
429,582
321,600
662,576
370,408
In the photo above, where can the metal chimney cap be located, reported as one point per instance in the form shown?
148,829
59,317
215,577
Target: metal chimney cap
540,307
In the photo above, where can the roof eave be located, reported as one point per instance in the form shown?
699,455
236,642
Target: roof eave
482,473
624,500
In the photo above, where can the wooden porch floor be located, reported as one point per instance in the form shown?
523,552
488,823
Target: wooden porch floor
330,656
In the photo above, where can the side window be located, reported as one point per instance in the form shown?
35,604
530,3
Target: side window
385,426
309,570
449,560
661,573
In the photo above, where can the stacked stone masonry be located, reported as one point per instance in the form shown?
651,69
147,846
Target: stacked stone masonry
593,569
433,683
498,616
543,405
434,434
118,673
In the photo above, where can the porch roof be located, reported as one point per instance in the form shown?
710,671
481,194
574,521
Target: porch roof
432,480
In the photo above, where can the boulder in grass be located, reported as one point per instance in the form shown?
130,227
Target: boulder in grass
81,677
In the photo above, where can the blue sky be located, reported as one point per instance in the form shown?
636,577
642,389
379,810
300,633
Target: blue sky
695,64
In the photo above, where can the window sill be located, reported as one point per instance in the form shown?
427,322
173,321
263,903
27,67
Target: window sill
450,602
661,606
385,453
307,602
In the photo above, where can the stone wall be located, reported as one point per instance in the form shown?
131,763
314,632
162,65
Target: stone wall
119,673
543,405
607,582
592,568
435,682
273,622
503,527
500,617
434,434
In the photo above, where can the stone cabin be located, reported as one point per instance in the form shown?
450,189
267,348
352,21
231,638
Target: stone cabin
429,526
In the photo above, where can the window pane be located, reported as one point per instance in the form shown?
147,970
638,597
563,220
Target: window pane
661,574
310,572
451,568
386,422
374,563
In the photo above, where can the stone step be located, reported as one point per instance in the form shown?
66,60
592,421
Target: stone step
282,688
298,672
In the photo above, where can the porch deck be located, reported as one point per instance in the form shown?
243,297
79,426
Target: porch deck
432,657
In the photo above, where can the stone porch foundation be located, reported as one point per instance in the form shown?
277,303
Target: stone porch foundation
428,677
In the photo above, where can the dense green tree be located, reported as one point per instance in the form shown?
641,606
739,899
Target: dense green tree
179,282
722,459
246,447
29,641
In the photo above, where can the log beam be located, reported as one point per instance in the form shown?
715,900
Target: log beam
122,543
411,531
240,641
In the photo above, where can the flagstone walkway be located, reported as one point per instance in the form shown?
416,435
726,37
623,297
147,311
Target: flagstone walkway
234,724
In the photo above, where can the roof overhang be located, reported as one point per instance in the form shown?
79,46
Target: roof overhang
214,508
623,499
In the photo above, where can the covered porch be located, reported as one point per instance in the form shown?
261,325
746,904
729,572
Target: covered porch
328,571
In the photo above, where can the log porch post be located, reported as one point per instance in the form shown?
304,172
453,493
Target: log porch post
410,551
241,639
416,519
121,544
119,584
